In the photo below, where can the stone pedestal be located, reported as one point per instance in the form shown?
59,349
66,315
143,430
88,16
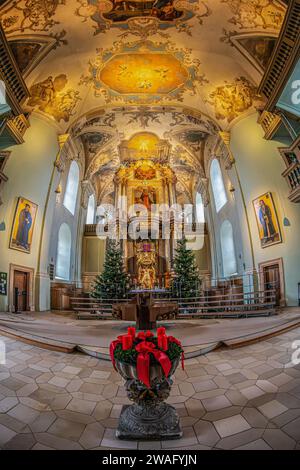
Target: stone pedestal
149,418
138,423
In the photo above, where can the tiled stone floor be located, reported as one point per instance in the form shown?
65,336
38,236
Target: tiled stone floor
232,399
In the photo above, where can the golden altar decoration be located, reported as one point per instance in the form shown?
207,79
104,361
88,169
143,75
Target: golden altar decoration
146,261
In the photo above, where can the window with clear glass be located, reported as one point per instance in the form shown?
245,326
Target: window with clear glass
70,198
90,217
228,250
63,258
199,209
217,183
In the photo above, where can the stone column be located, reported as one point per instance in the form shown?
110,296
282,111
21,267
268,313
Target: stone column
42,279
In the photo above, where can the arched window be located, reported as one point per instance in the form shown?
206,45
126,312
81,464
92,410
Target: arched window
217,183
90,217
72,188
63,258
199,209
228,251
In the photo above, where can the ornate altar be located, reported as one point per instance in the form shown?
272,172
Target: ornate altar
142,183
146,264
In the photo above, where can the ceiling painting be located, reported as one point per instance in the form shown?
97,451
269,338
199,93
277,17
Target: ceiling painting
144,72
232,99
170,74
53,97
260,49
29,50
25,54
144,143
144,146
93,141
141,16
193,138
255,48
266,14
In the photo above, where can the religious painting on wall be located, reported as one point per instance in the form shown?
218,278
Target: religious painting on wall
145,172
145,196
267,220
23,225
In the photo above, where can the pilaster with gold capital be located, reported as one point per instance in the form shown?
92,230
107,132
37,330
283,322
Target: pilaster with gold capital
60,162
228,155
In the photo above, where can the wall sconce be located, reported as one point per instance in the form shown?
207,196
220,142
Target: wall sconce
231,190
58,193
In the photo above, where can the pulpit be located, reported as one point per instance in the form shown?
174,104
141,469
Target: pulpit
145,310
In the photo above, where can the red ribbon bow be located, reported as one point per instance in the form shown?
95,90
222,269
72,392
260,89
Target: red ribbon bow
144,349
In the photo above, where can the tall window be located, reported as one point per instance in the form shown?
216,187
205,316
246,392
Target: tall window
63,259
199,209
217,183
228,251
72,188
90,217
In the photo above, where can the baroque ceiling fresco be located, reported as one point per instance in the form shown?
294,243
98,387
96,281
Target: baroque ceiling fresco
113,73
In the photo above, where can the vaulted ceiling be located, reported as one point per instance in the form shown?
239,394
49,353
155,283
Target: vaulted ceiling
106,69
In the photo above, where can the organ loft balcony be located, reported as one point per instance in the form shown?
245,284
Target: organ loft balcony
14,92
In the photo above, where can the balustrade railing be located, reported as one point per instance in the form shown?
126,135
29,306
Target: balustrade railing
270,122
292,176
18,126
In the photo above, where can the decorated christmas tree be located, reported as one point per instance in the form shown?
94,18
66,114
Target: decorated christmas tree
186,281
113,282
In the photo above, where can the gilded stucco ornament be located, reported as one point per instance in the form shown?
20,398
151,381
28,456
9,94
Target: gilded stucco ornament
54,98
266,14
143,72
87,190
32,15
232,99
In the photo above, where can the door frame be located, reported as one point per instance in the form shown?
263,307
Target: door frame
30,286
279,262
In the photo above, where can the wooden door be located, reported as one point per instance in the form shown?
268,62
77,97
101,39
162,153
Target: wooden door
21,284
272,280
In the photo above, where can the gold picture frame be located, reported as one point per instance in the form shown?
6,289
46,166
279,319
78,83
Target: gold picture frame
267,220
23,225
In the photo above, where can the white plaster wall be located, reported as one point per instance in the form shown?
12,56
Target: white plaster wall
233,212
260,166
62,215
29,170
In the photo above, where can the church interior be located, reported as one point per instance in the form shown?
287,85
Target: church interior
150,178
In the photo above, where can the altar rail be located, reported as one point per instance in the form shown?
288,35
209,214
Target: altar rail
248,295
233,305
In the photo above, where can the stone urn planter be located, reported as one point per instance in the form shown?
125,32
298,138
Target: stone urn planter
149,417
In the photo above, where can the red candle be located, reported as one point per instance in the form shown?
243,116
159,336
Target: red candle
162,342
126,342
161,331
131,331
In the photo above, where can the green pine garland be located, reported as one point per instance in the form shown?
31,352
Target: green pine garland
114,282
186,281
